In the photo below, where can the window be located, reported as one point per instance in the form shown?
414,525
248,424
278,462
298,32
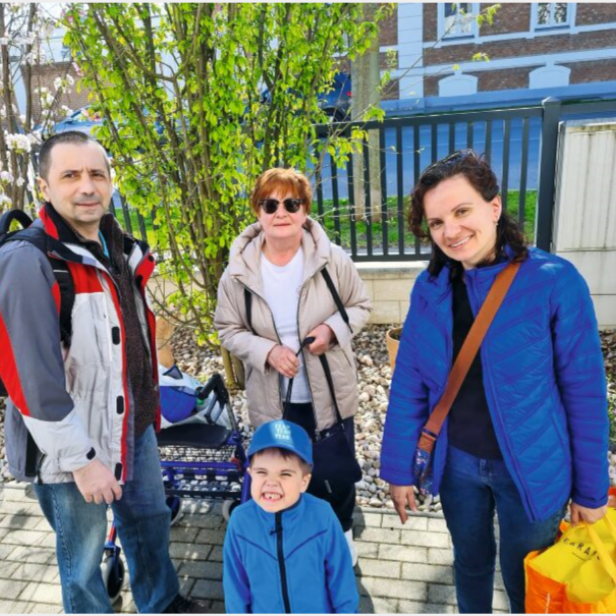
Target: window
459,19
552,14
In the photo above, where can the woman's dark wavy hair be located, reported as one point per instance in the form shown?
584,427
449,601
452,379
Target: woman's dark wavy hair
481,177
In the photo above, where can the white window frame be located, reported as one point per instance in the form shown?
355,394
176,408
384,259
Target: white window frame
571,9
457,37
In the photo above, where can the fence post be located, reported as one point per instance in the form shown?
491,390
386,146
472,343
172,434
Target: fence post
547,173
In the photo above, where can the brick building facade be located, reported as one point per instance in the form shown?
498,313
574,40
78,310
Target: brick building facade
534,49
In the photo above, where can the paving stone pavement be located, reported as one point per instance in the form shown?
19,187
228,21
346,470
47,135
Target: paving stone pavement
401,569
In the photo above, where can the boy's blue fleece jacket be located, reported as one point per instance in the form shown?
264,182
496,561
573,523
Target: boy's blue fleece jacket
543,376
316,562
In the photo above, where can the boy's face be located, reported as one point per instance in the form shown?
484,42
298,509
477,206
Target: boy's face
277,483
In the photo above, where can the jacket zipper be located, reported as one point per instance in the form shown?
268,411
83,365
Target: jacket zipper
510,460
282,564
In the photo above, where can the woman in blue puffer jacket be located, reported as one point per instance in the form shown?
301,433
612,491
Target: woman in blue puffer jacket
528,430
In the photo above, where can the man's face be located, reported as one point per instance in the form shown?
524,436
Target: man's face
78,184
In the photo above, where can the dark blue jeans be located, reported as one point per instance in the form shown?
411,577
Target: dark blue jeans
142,519
472,489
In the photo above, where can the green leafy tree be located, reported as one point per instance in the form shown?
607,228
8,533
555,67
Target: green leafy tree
25,31
181,88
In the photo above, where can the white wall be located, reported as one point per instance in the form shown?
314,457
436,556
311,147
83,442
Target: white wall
585,214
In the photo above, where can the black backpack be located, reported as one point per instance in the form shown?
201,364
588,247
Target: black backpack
37,237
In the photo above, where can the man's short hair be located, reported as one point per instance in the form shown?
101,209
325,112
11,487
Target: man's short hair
286,455
69,136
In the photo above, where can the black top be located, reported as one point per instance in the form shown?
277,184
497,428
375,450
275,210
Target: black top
470,423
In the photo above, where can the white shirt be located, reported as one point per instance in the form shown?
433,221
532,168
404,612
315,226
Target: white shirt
281,286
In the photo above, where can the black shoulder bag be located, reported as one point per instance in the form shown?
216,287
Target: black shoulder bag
335,465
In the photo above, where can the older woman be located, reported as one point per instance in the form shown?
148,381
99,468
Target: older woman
528,429
272,296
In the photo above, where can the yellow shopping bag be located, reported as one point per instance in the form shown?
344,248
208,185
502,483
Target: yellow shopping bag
577,575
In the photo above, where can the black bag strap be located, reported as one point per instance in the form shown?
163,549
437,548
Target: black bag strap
330,385
7,220
332,289
61,271
248,306
67,298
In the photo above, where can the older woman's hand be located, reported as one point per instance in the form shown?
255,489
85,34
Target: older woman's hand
323,338
585,514
283,360
403,496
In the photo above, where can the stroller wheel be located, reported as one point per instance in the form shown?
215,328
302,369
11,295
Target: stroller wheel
175,504
113,571
227,508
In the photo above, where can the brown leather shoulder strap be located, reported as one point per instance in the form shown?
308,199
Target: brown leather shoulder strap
471,346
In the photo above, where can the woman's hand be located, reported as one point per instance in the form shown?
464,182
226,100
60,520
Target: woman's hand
585,514
323,338
283,360
403,496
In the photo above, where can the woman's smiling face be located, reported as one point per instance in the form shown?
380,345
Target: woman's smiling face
462,224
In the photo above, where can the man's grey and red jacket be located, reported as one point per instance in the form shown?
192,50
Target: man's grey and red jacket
74,401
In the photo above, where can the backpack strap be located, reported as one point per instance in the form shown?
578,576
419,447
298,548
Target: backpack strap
7,220
66,284
38,238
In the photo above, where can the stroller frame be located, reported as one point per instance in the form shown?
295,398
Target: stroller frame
215,470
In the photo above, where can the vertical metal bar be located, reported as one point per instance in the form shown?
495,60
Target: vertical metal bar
153,216
505,176
141,221
452,137
416,173
434,144
383,165
547,170
400,181
488,146
469,135
367,198
128,227
352,220
319,181
336,205
523,173
111,204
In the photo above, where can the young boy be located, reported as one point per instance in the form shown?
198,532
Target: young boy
284,550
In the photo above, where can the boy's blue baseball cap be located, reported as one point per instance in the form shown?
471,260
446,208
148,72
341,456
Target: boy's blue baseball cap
282,434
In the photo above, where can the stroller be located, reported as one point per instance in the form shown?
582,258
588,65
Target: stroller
201,451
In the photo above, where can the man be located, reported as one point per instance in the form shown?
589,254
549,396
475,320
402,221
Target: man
82,411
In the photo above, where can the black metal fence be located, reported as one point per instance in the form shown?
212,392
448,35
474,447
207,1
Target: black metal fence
520,144
370,222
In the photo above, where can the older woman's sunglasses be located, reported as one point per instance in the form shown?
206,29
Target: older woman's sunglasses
270,206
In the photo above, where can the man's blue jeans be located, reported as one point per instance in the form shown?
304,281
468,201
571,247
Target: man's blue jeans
142,519
471,490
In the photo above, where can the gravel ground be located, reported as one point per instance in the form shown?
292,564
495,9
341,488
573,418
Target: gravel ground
374,381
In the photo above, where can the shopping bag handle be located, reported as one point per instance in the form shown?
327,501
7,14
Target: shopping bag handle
604,557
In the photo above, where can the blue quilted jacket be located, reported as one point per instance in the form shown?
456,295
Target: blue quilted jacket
543,376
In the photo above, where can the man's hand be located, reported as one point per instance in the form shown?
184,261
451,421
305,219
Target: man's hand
283,360
97,483
403,496
323,338
585,514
